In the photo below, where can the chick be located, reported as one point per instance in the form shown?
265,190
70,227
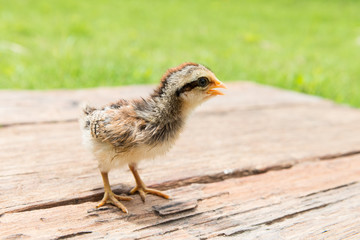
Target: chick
128,131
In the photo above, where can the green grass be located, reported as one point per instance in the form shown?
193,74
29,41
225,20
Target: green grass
308,46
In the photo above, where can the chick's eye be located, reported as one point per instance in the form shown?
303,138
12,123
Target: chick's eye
203,81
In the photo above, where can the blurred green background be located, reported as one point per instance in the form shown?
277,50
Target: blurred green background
308,46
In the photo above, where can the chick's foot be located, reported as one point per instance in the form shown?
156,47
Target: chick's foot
143,190
110,197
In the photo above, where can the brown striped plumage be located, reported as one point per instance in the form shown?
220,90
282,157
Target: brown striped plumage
128,131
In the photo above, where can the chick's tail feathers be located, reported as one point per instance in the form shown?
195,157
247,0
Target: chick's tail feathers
85,112
87,109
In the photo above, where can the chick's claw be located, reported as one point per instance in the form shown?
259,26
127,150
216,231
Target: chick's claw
110,197
141,187
143,190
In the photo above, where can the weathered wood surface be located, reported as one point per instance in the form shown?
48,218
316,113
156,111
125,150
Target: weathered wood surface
256,163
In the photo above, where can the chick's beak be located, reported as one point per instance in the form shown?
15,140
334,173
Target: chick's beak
216,84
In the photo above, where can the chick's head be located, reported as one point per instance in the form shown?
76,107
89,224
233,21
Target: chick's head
192,83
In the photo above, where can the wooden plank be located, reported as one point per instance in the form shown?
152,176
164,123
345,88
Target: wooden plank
46,174
317,200
19,107
37,158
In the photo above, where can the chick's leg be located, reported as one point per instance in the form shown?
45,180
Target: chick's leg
140,186
110,197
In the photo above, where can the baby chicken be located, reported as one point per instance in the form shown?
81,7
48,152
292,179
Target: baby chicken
128,131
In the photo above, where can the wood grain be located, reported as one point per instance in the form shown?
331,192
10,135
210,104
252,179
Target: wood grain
258,162
307,204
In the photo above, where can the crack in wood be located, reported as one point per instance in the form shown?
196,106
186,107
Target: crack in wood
206,179
158,234
218,177
339,155
163,186
235,232
71,201
292,215
330,189
72,235
213,196
171,221
237,213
